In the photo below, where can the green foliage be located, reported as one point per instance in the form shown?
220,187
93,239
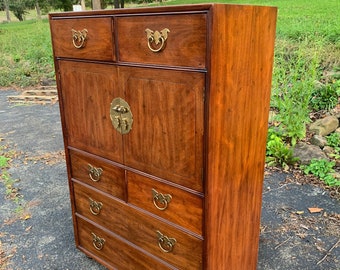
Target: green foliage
333,140
20,7
323,169
26,53
326,97
277,152
4,162
295,71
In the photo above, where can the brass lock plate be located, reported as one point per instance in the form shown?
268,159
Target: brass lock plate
121,115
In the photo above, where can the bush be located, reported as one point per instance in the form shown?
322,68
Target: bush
325,98
277,152
323,169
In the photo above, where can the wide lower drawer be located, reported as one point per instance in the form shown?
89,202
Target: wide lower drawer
172,245
112,251
89,38
171,203
175,40
98,173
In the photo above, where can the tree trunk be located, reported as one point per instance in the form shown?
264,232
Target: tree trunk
82,3
96,4
38,10
116,3
7,11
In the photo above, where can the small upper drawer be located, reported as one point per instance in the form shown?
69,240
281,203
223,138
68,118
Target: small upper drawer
89,38
171,203
99,174
175,40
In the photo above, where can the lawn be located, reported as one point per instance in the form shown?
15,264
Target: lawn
306,66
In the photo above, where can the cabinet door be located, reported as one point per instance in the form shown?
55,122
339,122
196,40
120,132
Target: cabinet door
166,139
87,91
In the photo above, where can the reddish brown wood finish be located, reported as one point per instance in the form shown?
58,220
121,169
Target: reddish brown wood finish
99,39
184,209
200,113
116,253
87,92
140,229
185,46
167,108
240,80
111,180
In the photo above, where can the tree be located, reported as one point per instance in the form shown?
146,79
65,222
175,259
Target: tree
19,7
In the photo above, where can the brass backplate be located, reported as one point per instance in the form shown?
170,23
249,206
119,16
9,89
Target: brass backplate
121,115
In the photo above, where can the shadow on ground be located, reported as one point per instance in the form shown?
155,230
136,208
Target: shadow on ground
36,230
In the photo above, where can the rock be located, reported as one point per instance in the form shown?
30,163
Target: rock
324,126
272,116
336,175
318,140
328,150
337,130
306,152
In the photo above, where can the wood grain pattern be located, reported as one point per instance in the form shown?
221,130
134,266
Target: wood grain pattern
140,228
99,38
168,124
185,46
185,209
112,179
116,253
200,110
241,64
87,92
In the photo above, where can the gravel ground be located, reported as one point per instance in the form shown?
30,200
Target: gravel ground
36,230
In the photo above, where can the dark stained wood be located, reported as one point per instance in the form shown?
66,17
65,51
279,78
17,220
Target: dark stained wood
98,43
115,253
140,228
240,83
112,179
185,209
185,46
167,109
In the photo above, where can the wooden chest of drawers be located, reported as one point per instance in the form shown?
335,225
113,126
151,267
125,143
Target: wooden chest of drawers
164,114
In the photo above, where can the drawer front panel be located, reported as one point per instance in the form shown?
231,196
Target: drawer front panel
114,251
89,38
98,174
141,229
173,204
180,39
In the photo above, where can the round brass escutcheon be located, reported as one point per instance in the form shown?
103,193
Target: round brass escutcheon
121,115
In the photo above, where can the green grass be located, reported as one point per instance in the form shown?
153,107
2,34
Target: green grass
307,50
26,53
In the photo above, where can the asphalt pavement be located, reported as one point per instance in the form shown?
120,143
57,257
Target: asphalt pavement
36,230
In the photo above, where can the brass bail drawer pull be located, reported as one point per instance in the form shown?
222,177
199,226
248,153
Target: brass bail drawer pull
95,207
79,38
97,242
157,39
165,243
160,201
94,173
